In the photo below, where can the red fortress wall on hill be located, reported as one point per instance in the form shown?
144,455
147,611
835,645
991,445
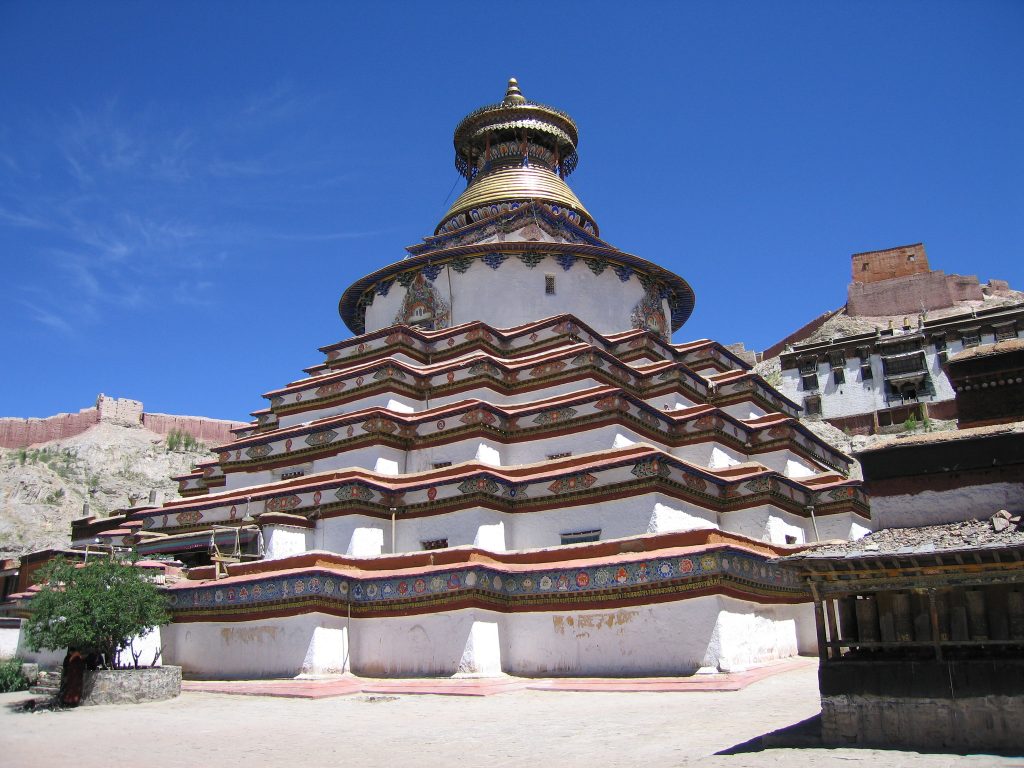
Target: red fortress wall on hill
22,433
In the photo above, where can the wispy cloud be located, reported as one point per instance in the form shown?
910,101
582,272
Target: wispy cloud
117,207
47,318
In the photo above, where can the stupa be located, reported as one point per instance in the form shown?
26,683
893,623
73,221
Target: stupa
510,468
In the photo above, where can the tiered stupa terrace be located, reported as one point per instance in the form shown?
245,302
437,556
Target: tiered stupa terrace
509,448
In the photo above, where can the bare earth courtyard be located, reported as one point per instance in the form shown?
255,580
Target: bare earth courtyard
509,729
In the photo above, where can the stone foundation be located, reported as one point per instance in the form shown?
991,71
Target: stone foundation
131,686
987,723
968,705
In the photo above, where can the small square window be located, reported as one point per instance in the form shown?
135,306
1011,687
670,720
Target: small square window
581,537
549,285
435,544
1006,332
790,539
809,383
812,406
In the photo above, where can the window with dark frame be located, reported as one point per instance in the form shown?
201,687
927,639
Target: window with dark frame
549,285
441,464
581,537
812,405
434,544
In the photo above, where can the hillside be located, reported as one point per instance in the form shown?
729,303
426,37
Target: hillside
43,488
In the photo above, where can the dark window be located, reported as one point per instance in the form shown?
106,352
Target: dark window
790,539
559,455
900,365
1006,332
808,366
549,285
580,537
435,544
292,473
837,359
940,343
812,406
809,383
971,339
866,374
864,267
441,464
839,375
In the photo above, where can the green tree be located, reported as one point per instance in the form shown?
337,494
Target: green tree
95,607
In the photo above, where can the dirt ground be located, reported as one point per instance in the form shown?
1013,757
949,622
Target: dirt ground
527,727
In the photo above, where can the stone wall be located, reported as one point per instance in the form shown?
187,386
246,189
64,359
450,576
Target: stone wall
131,686
989,723
209,431
910,294
22,433
872,266
952,705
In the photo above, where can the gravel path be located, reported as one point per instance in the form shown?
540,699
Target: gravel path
511,729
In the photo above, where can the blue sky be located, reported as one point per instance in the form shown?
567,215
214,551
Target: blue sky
187,188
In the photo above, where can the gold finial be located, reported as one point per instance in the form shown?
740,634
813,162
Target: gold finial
513,95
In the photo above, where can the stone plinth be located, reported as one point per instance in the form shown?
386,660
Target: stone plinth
131,686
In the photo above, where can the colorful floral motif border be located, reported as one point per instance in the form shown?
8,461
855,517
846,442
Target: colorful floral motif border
741,571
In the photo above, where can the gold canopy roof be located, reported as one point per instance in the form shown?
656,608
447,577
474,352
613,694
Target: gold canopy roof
517,183
514,178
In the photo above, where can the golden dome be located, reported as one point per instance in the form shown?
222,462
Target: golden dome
515,151
516,183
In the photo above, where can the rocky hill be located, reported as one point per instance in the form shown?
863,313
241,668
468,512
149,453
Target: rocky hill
44,487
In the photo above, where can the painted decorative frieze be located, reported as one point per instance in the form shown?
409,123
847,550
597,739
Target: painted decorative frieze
423,306
649,315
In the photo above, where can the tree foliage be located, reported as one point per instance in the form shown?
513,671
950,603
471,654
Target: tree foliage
96,607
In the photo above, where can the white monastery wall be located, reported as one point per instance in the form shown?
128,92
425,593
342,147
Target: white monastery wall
411,405
719,632
360,535
947,506
857,396
745,410
285,540
10,639
14,642
515,295
392,461
311,643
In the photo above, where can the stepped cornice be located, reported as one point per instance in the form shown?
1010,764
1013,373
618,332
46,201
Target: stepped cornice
514,376
572,481
553,416
434,346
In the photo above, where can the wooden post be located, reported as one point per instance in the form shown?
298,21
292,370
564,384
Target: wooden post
933,610
819,623
833,629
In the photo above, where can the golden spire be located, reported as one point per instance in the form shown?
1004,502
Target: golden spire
513,95
515,151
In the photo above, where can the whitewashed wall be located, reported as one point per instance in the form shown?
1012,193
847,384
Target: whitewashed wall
674,638
514,295
311,644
